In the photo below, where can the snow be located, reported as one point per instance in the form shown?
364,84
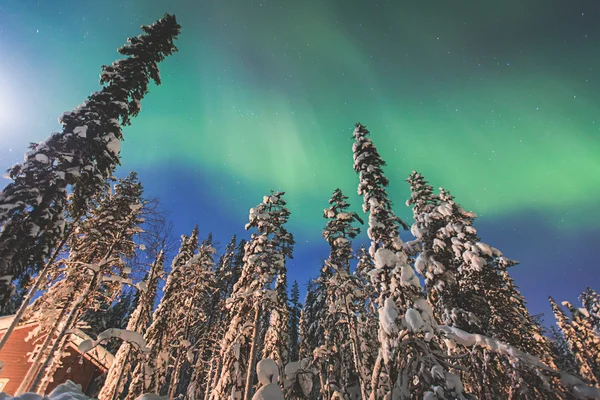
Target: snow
113,144
86,346
437,372
291,369
306,383
413,320
387,317
385,258
123,334
142,286
135,207
344,216
151,396
420,264
80,131
408,277
64,391
267,371
42,158
271,391
453,382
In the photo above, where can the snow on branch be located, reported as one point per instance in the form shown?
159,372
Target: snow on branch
123,334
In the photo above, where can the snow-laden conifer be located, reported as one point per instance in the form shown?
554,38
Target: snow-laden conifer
564,357
591,302
264,260
294,322
193,316
277,340
308,322
93,273
468,286
125,357
211,331
80,157
340,358
583,342
409,362
151,374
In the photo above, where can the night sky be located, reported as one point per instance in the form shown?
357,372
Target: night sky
496,101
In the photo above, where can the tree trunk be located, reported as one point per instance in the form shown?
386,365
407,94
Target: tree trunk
30,294
251,358
375,376
26,383
67,326
209,377
357,353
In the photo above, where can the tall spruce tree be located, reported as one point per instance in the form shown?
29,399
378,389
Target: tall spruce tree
151,375
468,286
277,340
591,302
94,271
308,337
80,157
565,359
139,320
583,342
294,322
409,362
264,260
193,315
366,314
340,357
311,333
207,360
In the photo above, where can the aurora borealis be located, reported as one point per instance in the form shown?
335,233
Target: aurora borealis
497,102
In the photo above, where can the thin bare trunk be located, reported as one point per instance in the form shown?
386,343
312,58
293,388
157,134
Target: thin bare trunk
209,377
186,332
356,352
26,383
251,359
67,325
375,376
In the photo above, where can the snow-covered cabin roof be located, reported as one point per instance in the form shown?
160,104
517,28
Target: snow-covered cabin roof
98,354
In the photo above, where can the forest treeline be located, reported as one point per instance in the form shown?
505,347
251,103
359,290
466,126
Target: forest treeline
436,317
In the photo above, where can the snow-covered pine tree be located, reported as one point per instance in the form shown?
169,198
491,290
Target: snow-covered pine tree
469,288
109,315
591,302
264,260
294,322
340,357
308,318
410,363
276,344
366,312
583,342
228,270
207,359
194,317
81,157
125,357
564,357
93,272
151,375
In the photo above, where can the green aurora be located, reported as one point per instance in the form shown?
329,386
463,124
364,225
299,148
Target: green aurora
497,103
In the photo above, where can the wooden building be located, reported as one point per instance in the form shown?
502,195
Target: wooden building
83,369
